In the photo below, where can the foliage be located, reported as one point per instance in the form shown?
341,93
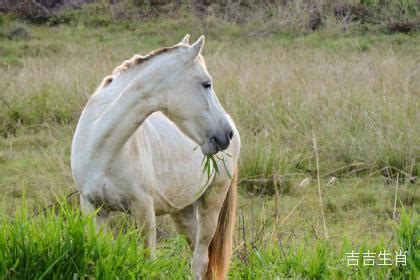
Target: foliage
320,260
269,17
408,235
62,243
67,245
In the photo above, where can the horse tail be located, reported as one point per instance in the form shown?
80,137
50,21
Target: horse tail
220,249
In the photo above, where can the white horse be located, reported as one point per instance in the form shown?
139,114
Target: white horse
134,150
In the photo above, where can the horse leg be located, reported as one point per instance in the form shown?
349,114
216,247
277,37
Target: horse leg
144,214
186,223
208,209
100,217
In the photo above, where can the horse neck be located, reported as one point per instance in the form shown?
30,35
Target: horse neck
116,112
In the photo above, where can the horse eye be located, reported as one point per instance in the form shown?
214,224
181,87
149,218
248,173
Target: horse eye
206,85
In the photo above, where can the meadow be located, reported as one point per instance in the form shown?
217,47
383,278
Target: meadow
329,124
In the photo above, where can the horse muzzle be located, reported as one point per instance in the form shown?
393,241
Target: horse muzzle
218,142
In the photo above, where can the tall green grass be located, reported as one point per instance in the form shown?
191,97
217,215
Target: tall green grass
61,243
326,259
67,245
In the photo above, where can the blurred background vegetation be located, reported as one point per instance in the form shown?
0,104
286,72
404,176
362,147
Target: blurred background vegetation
266,16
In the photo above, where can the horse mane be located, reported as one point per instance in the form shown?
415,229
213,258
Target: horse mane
134,61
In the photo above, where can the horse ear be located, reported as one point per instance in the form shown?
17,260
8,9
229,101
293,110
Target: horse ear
185,40
196,48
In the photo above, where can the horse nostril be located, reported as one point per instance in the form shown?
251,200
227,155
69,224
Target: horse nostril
230,134
221,142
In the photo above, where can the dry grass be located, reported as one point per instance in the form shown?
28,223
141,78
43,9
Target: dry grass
362,106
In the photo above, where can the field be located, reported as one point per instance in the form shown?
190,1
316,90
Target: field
329,123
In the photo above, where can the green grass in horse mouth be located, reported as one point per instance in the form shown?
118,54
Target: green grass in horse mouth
210,160
210,168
